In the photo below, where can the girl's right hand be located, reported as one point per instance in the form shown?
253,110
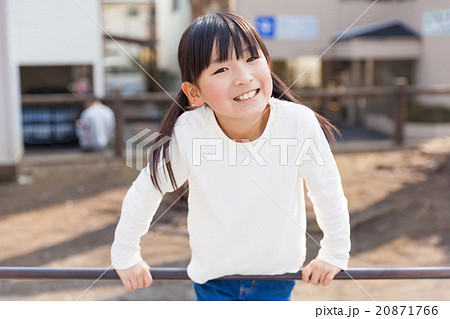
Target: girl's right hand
136,277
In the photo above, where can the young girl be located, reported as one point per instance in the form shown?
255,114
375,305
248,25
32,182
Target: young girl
245,145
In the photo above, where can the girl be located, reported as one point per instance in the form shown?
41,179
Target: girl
245,145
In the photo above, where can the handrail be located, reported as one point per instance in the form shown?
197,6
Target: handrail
181,273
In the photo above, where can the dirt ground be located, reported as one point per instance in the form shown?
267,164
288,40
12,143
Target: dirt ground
64,211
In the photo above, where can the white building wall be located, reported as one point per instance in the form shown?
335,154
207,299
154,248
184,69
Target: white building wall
116,19
55,32
11,145
170,25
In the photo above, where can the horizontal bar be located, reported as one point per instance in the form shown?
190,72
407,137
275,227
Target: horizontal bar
181,274
144,119
371,91
68,98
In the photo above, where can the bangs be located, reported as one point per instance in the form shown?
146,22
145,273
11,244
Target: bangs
223,31
227,40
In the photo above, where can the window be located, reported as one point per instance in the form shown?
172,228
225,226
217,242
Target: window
175,5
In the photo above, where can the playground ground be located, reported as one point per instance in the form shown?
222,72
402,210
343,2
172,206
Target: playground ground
64,211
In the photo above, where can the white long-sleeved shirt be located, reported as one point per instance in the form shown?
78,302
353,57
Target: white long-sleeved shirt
246,200
96,127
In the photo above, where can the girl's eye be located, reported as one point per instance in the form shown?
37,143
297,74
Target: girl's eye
253,58
220,70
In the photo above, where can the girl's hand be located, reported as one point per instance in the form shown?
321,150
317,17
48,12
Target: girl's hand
136,277
319,272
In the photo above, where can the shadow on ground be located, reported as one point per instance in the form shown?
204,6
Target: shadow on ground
416,211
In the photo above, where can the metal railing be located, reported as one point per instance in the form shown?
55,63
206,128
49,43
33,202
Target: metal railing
181,274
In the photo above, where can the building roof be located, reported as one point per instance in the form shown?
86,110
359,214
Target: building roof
380,29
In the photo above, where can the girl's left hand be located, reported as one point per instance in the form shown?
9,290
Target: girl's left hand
319,272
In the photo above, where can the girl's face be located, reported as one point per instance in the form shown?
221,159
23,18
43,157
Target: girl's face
235,89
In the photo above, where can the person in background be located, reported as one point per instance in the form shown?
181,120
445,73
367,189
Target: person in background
96,126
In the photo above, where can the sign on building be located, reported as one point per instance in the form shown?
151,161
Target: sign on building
436,23
288,27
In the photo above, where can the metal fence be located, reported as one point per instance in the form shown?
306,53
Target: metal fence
181,273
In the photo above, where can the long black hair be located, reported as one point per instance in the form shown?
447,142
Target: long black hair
194,53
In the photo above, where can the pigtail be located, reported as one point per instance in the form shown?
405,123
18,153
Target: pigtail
282,92
178,107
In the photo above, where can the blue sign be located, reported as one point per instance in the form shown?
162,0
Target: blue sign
265,25
288,27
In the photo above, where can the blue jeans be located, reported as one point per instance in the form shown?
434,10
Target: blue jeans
244,290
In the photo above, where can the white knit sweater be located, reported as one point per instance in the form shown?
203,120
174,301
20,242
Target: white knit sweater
246,200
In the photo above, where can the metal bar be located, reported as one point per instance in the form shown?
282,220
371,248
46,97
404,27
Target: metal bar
181,273
144,119
147,97
400,110
58,99
53,99
432,89
117,106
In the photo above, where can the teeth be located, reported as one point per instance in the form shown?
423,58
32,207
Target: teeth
246,96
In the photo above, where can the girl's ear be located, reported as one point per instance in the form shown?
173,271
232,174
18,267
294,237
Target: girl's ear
192,93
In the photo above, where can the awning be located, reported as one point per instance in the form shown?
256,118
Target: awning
384,40
381,29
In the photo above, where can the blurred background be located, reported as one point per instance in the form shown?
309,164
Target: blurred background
379,70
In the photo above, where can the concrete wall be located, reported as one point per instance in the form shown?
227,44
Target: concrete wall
383,124
280,50
55,32
11,145
349,11
434,65
170,26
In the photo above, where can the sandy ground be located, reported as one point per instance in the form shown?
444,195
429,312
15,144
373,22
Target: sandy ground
64,212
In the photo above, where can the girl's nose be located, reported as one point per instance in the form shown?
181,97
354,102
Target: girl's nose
243,77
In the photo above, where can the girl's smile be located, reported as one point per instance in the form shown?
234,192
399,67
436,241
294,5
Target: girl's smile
248,96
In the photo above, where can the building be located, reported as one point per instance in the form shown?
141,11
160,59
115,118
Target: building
405,30
45,47
11,146
57,45
351,43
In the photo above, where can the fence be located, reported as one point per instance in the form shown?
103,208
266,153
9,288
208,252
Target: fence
181,274
401,93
